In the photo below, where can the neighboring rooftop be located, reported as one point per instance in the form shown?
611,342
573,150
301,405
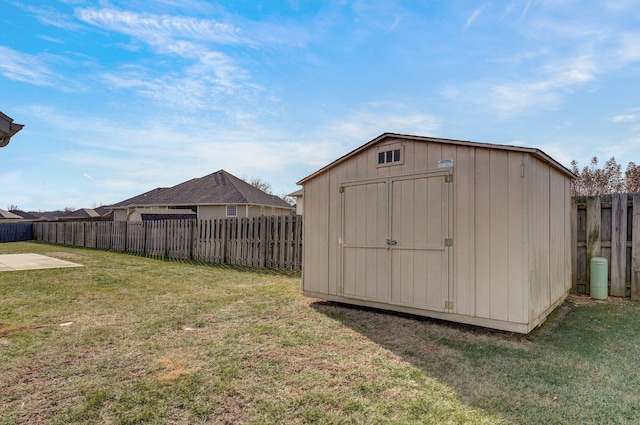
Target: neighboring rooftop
24,214
218,188
8,129
6,215
47,215
81,213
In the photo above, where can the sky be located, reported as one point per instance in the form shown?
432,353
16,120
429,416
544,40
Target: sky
121,97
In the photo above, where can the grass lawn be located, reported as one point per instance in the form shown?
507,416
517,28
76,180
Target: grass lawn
133,340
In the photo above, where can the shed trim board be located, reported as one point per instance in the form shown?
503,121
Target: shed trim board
469,232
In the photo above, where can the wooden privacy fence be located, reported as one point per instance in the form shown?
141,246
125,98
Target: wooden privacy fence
607,226
273,242
13,232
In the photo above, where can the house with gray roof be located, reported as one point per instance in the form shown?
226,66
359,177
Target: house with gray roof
86,214
25,215
6,215
217,195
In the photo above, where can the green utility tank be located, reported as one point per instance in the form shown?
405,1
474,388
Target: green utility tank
599,278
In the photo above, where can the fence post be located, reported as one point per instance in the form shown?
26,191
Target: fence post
594,218
618,245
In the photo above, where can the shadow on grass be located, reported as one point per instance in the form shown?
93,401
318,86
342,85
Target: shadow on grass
578,367
232,267
222,266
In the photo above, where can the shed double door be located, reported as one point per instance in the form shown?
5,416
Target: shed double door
394,246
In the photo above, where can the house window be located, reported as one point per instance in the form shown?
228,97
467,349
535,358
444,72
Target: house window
232,211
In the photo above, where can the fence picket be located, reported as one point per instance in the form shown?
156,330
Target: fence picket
618,245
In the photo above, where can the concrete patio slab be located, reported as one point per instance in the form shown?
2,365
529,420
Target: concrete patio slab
14,262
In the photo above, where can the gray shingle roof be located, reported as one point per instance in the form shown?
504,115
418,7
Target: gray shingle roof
7,214
24,214
220,187
81,213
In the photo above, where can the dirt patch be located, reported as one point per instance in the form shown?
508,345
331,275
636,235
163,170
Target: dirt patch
581,300
173,366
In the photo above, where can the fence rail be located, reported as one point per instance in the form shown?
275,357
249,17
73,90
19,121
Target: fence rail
607,226
273,242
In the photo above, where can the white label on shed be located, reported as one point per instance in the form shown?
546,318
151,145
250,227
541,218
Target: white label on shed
444,163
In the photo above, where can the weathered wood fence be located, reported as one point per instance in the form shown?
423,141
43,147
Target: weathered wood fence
272,242
607,226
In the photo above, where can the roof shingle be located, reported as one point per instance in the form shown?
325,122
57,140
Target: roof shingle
220,187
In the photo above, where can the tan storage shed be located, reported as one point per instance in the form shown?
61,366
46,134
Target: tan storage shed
468,232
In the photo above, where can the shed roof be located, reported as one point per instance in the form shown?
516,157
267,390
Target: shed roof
533,151
220,187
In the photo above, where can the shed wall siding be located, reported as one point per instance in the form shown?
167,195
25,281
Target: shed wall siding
507,249
464,232
550,238
539,228
560,282
517,240
499,229
316,235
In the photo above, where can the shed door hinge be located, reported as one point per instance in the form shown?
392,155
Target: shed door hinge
448,305
448,242
340,290
341,190
448,178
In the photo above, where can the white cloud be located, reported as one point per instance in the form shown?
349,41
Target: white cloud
546,90
576,71
26,68
474,16
157,29
198,85
627,149
121,159
624,118
384,117
204,73
48,15
629,47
